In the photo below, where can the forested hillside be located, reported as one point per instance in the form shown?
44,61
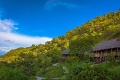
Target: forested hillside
40,60
103,27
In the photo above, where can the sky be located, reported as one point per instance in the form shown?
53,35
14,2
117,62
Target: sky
27,22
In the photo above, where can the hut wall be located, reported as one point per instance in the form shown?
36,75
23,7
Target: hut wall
104,53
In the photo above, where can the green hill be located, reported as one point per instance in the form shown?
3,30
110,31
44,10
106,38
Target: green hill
44,59
103,27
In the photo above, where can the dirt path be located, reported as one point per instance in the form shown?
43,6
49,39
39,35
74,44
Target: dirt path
38,78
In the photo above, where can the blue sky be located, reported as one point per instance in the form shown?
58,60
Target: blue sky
26,22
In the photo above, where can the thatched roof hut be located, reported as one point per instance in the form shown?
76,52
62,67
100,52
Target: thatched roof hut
114,43
65,52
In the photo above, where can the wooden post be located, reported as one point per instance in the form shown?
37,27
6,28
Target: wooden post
117,53
95,54
106,52
111,51
102,53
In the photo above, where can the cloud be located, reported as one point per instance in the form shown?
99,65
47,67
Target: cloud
10,40
7,25
54,3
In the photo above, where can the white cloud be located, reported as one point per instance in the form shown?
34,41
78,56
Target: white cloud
21,39
54,3
10,40
7,25
5,49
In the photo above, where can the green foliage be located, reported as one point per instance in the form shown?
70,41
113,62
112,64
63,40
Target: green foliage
54,54
11,74
88,71
41,64
115,73
54,72
111,32
41,72
80,39
38,59
26,62
81,45
93,72
74,67
111,58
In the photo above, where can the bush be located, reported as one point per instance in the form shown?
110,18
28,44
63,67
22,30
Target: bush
115,73
93,72
41,73
74,67
11,74
55,72
111,58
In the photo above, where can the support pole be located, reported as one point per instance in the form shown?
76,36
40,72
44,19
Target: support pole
117,52
111,51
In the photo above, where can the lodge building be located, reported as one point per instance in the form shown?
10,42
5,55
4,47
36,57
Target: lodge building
107,47
103,49
65,54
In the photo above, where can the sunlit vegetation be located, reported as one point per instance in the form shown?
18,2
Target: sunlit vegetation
38,60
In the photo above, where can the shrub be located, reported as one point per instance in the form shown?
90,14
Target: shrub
11,74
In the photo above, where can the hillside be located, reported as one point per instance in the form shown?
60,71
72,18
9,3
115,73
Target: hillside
45,60
103,27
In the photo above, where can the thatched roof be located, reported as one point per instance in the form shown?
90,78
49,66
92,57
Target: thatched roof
114,43
65,51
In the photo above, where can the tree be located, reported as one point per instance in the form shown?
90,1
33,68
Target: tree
26,62
111,58
7,73
54,54
80,45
